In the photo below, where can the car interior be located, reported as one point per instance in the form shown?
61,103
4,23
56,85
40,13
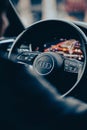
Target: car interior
53,49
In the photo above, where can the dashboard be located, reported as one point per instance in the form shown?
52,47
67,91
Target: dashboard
68,48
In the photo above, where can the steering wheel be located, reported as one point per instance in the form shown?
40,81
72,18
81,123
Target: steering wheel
53,49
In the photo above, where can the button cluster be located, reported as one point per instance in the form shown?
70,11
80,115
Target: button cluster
27,57
72,66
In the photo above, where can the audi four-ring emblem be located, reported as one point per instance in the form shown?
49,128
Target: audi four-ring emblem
44,64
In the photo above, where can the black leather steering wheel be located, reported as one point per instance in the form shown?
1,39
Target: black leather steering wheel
62,71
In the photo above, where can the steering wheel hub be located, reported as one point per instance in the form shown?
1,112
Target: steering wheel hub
46,63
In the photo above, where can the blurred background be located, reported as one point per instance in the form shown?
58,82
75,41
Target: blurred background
34,10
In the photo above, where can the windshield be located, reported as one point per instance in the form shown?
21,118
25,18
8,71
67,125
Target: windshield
30,11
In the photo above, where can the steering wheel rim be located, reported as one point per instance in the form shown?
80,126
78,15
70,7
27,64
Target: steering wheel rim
65,22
